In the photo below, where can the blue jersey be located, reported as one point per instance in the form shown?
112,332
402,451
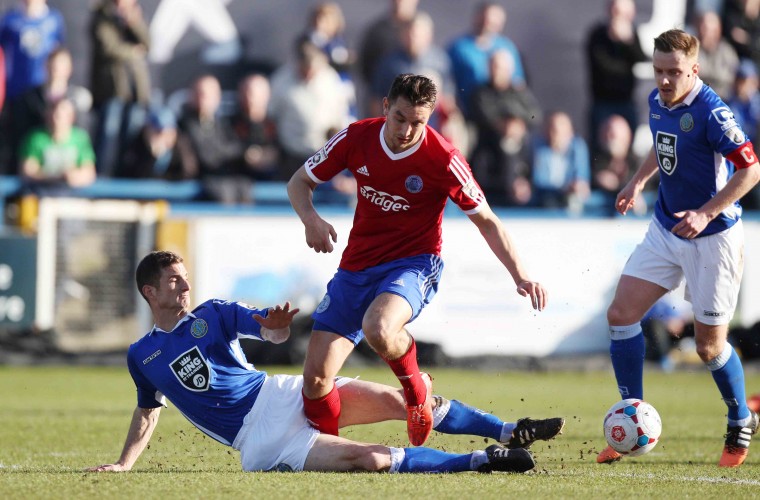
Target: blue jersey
200,367
691,141
27,43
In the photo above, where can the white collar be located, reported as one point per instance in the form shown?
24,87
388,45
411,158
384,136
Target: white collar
185,318
403,154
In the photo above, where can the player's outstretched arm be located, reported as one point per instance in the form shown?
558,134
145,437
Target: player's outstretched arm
144,421
320,235
276,326
501,245
627,196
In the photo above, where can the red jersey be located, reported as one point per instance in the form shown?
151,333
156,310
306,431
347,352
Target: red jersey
401,196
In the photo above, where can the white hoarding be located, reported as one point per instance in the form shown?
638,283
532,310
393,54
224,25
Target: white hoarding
265,260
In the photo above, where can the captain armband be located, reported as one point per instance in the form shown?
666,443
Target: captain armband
744,156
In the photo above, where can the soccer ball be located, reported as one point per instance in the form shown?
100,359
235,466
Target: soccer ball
632,427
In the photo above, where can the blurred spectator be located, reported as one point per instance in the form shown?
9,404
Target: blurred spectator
215,148
745,105
59,156
254,130
561,170
31,108
308,106
741,25
325,30
717,58
416,55
7,165
381,38
447,119
613,48
700,6
29,32
745,102
2,79
158,151
120,79
469,53
614,162
503,115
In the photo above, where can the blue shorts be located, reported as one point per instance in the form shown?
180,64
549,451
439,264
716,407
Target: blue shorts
349,294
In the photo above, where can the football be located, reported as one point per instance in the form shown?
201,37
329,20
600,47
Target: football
632,427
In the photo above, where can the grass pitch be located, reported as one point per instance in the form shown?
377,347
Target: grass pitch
56,421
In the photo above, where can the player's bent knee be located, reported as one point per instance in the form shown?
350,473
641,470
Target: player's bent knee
317,384
707,351
619,315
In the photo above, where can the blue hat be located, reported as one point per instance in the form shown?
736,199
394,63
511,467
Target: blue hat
746,69
161,119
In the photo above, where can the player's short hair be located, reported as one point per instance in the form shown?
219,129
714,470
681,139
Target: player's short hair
417,89
149,269
675,39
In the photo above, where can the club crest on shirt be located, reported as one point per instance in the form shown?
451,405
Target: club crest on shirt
665,145
324,304
198,328
413,184
192,370
687,122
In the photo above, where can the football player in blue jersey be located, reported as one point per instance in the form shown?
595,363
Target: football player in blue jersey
194,359
706,164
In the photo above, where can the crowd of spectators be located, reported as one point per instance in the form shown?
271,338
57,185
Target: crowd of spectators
54,134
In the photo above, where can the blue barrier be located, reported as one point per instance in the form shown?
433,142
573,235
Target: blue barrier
151,189
179,192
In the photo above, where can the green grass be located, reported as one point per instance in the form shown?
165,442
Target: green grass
56,421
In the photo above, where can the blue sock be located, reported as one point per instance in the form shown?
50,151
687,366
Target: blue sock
430,460
728,374
464,419
627,349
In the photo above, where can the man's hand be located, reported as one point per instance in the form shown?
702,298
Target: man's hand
536,292
279,317
692,223
626,199
320,235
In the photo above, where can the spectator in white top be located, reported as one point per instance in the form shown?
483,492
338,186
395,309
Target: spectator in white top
308,105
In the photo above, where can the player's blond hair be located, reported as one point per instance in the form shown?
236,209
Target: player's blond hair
676,39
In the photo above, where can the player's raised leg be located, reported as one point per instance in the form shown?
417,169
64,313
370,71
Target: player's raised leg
333,453
727,371
364,402
383,326
325,356
633,298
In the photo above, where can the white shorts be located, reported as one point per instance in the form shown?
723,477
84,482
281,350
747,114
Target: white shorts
275,434
712,266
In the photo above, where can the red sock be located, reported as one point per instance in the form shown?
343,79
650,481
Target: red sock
323,412
408,373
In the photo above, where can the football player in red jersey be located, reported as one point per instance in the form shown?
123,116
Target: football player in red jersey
405,173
